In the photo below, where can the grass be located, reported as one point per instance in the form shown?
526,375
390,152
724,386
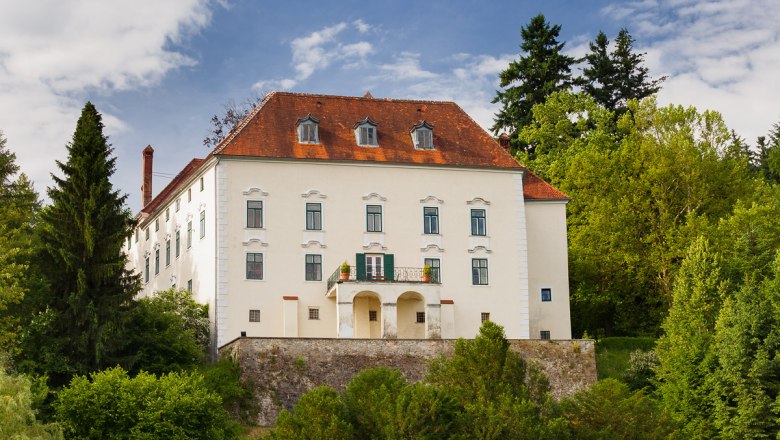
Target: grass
612,354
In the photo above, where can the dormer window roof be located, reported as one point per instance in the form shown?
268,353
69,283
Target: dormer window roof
308,130
366,133
422,136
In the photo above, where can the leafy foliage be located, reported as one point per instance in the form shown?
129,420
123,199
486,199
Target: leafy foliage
319,414
17,416
610,410
112,405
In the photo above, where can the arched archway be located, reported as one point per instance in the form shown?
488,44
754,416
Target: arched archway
411,316
367,315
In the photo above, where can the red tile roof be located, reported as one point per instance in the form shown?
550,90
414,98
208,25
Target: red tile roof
269,131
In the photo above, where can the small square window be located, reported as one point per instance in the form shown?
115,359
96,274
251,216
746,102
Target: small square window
546,295
544,334
420,317
372,315
485,317
254,316
314,313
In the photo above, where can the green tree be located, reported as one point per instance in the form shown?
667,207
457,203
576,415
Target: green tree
370,400
685,349
423,412
19,207
168,331
319,414
17,416
615,78
80,315
768,155
746,383
542,70
610,410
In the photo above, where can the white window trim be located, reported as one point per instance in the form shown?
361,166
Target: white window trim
366,123
426,127
307,120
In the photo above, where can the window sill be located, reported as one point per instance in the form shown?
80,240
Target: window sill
254,279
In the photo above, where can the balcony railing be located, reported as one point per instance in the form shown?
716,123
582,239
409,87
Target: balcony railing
400,275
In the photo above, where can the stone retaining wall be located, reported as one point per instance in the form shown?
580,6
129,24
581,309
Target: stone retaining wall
283,369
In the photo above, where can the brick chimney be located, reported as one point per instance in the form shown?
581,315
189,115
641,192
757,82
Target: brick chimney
503,140
146,186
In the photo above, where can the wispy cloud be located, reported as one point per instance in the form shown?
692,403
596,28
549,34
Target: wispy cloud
719,54
318,50
52,53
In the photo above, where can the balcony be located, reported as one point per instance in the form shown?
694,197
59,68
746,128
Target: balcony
400,275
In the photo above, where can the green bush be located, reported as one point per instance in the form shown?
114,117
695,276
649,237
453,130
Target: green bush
640,373
224,378
113,405
17,417
319,414
370,399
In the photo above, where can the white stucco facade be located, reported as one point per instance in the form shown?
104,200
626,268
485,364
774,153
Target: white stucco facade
524,248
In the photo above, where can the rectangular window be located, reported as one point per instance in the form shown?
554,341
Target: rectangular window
178,244
129,243
146,271
420,317
167,253
314,313
546,294
544,334
431,220
479,271
189,234
137,235
313,216
485,316
254,214
435,265
202,224
254,316
478,222
167,214
313,267
254,266
146,234
156,224
156,261
189,285
189,194
424,139
372,315
368,136
373,218
307,133
201,184
178,204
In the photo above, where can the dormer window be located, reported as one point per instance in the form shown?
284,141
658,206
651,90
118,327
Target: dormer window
366,134
308,132
422,136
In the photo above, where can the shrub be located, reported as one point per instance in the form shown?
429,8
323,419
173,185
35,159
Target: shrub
319,414
17,418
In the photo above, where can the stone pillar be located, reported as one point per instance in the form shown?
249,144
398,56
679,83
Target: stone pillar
290,316
447,311
344,317
389,320
433,321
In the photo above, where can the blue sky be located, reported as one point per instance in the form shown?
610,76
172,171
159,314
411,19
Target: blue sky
159,70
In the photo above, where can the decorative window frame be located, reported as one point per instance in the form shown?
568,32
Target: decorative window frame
310,121
366,123
423,126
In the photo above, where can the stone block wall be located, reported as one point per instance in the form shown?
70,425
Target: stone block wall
283,369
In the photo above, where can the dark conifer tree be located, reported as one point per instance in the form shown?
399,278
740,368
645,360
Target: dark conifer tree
615,79
542,70
82,233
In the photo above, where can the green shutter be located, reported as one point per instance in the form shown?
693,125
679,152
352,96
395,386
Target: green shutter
389,267
360,266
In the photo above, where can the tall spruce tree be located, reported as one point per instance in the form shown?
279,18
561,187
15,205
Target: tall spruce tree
613,79
82,233
543,69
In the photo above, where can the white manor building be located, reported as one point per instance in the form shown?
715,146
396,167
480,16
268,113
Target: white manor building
260,227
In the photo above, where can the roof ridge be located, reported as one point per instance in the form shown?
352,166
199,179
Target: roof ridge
363,98
234,132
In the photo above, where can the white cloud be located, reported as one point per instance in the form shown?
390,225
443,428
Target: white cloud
53,53
722,55
406,66
319,50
